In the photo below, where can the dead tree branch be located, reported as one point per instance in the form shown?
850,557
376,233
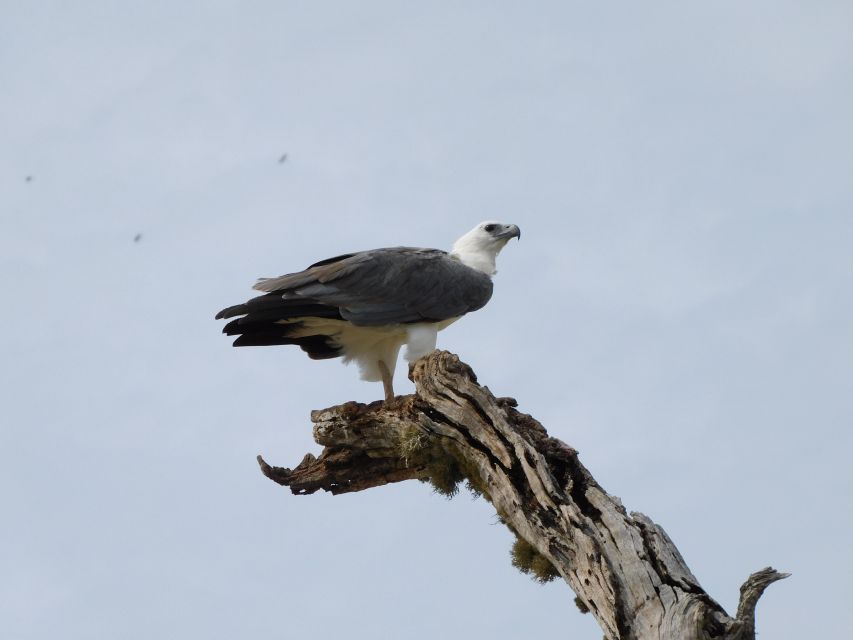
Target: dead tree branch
623,567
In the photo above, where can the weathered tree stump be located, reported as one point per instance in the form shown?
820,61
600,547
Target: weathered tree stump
623,567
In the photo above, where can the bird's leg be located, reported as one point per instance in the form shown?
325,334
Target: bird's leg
387,381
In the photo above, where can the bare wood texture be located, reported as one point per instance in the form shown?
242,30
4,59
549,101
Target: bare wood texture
623,567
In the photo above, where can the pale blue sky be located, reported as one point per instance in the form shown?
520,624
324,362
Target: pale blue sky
679,308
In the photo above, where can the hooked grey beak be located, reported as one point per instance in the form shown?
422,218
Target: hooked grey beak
510,231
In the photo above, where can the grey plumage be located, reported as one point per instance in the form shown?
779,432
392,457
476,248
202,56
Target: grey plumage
398,285
389,286
364,306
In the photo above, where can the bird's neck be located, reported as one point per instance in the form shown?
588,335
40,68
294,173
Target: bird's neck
475,257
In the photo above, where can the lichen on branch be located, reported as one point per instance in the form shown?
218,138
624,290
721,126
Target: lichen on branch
623,568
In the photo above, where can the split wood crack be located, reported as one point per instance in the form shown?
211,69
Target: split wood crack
623,567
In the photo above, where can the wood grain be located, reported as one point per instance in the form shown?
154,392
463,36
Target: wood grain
622,566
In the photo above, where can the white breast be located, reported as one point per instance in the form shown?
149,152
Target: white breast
366,346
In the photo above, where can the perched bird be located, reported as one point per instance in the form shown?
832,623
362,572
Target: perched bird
364,306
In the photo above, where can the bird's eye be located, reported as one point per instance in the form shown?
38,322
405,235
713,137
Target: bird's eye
490,227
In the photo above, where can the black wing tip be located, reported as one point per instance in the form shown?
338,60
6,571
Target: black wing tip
317,347
231,329
230,312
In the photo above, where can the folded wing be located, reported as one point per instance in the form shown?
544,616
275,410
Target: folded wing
399,285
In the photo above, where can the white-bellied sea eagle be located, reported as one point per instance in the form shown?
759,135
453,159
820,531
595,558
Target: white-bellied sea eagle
364,306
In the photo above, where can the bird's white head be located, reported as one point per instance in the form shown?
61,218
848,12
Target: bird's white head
480,246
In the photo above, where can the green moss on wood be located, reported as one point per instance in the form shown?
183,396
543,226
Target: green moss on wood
444,475
528,560
445,469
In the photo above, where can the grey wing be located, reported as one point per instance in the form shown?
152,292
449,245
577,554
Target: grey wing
389,286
